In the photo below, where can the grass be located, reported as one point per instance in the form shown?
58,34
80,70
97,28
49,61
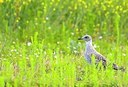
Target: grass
39,46
37,64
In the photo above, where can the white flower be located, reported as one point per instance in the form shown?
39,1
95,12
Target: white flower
58,42
124,54
100,37
29,43
47,18
95,46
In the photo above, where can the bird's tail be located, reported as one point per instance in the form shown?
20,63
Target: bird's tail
116,67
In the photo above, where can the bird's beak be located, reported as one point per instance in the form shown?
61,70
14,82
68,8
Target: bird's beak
80,38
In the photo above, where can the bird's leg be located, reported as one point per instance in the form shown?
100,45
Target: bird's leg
97,62
104,63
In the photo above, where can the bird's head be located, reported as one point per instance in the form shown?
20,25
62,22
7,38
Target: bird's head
86,38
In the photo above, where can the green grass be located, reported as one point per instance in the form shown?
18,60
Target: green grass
39,44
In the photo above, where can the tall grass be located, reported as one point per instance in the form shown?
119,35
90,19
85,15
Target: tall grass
39,46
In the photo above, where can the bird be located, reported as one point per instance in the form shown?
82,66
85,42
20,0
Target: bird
90,50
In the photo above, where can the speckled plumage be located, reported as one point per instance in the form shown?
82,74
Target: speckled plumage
90,50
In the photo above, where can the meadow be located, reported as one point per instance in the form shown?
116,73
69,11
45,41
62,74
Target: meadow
39,44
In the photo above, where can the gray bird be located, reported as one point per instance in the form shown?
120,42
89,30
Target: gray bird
90,50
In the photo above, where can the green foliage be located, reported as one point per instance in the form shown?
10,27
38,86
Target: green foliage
39,46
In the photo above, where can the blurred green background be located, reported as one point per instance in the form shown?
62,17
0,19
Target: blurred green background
56,19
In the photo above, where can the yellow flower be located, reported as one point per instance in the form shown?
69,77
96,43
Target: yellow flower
1,1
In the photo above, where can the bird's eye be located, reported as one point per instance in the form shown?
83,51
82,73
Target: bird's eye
86,37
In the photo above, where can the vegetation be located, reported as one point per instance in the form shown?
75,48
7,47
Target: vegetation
39,46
